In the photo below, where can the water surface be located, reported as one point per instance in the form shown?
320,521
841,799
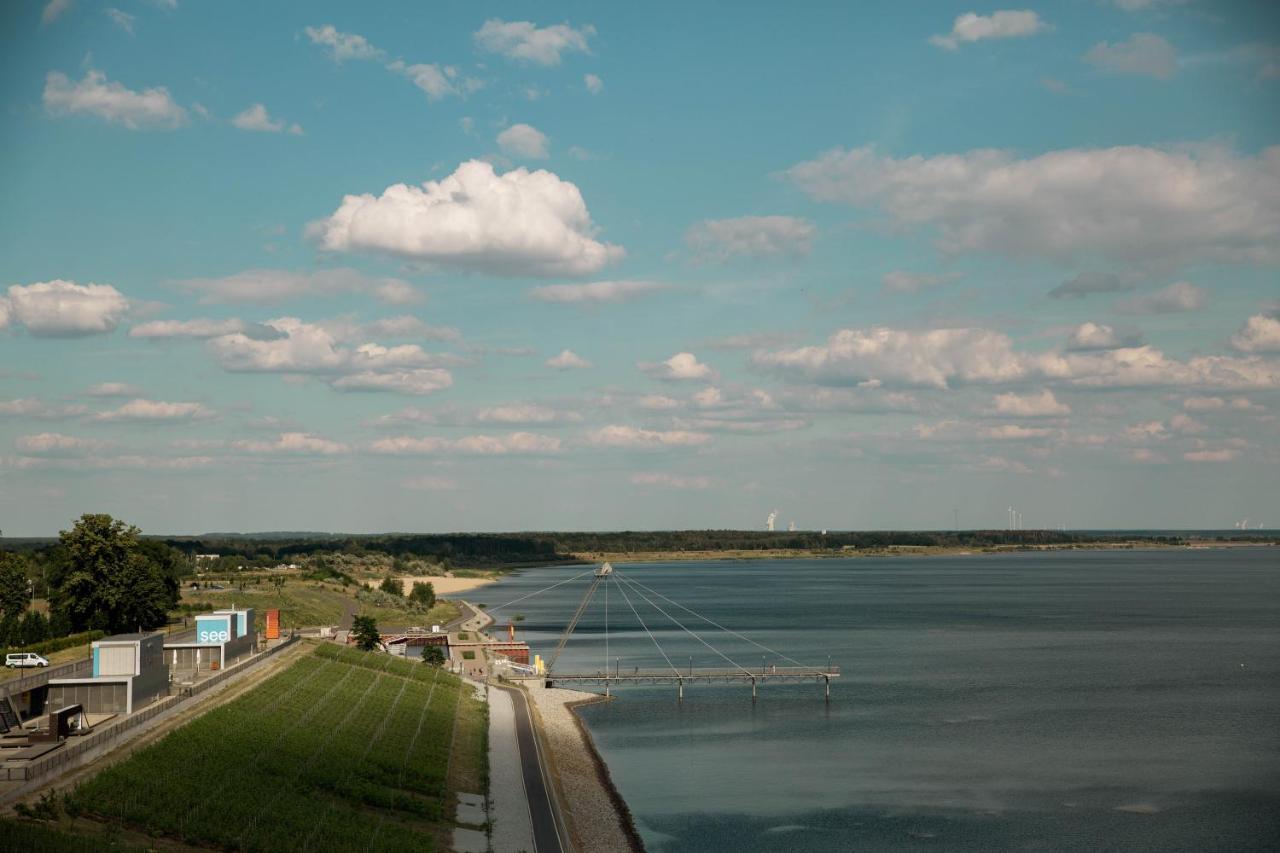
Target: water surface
1074,701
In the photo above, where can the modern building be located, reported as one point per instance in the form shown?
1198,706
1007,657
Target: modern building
222,637
128,673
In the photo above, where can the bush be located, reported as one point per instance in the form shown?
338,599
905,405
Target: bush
50,646
423,594
391,586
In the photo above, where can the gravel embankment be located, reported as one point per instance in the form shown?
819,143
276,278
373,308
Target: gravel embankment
597,815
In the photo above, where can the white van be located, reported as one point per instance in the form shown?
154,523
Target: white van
24,659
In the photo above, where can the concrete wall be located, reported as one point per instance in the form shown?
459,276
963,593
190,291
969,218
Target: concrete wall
97,697
153,682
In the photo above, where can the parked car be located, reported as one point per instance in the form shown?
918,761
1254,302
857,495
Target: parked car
24,659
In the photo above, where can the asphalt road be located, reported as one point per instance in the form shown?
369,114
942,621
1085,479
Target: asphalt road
546,833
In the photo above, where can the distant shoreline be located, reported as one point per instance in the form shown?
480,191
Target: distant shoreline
588,557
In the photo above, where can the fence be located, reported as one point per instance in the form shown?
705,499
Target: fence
72,753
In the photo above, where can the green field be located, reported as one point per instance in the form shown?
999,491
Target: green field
308,603
343,750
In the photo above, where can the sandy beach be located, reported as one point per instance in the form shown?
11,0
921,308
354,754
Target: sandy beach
595,812
444,586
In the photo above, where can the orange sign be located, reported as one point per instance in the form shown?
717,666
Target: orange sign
273,624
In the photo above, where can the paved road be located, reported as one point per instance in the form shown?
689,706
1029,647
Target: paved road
546,832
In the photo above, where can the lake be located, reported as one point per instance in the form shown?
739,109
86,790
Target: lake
1064,701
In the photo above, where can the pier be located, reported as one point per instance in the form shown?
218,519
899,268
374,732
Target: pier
614,673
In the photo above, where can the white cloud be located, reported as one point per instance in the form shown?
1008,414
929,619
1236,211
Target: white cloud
1223,455
256,118
658,402
187,328
305,348
56,444
941,358
293,443
1186,425
634,437
567,360
437,81
524,141
1130,203
1007,23
342,46
415,381
900,281
123,20
683,366
524,41
750,236
1042,405
1144,54
1096,336
593,83
64,309
1218,404
156,411
114,389
53,10
40,410
265,286
671,481
1175,299
516,443
522,413
934,358
402,326
596,291
517,223
150,109
1260,333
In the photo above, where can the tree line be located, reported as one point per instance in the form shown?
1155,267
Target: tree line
100,575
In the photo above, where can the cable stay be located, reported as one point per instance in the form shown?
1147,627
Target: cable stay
650,596
681,626
627,598
544,589
716,624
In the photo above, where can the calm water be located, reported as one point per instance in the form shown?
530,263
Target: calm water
1059,701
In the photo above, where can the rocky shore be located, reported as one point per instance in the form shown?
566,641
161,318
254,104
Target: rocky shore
597,816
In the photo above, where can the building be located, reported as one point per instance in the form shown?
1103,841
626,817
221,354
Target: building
128,673
221,638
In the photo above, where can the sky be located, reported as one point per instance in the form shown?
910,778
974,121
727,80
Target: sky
481,266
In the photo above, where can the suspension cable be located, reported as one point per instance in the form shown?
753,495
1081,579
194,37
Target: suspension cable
718,625
681,626
540,591
606,628
627,598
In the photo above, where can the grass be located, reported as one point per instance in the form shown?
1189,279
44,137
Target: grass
342,750
41,837
61,656
304,603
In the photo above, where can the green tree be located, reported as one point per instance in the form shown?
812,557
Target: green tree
365,630
111,582
391,586
15,594
433,655
423,593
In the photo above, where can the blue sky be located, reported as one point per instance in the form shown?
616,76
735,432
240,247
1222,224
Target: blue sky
516,266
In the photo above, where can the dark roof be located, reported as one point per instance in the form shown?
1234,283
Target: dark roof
128,638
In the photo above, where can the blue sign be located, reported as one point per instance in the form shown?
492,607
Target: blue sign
213,629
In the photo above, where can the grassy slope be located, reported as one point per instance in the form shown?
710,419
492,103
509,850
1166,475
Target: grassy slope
308,603
343,750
